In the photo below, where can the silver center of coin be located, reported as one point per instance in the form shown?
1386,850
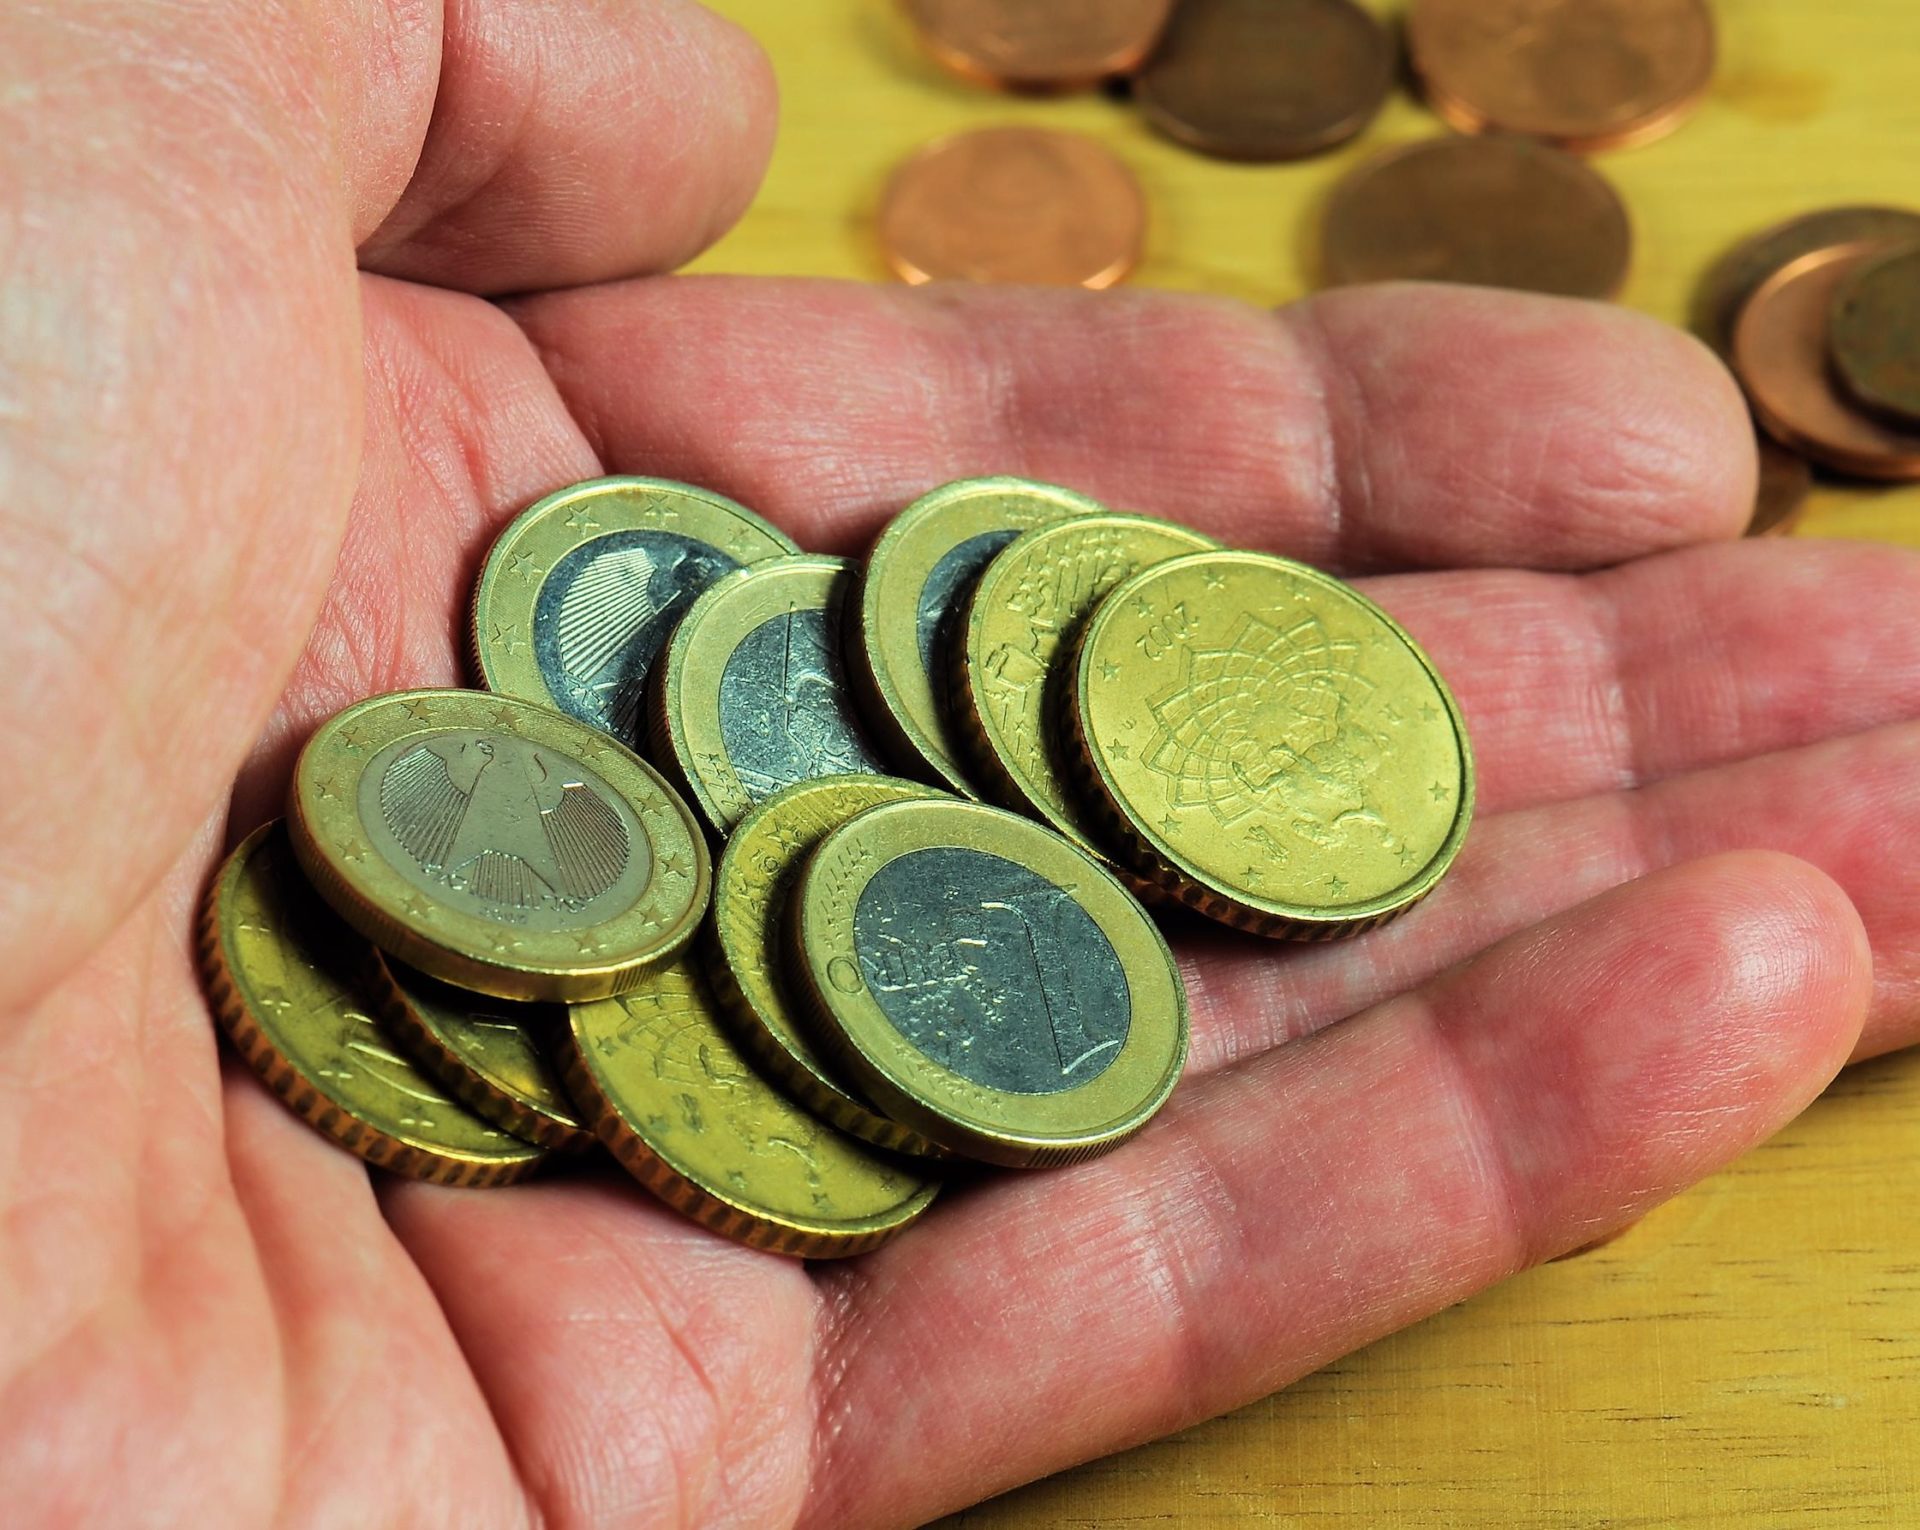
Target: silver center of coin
605,613
943,606
785,716
492,825
992,971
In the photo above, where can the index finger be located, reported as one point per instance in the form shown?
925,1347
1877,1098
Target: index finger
1393,427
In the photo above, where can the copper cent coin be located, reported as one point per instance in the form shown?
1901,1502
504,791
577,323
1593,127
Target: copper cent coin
1737,275
1490,212
1596,74
1780,352
1039,44
1267,79
1876,335
1786,479
1014,204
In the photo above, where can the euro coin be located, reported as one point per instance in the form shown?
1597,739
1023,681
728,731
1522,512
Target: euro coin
1014,678
1038,44
580,593
680,1107
1270,746
913,599
1267,79
751,695
495,1058
1780,350
1488,212
1738,274
1876,335
987,983
752,887
285,978
1014,204
497,845
1602,74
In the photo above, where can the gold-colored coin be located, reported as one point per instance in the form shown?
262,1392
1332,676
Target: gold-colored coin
751,695
1015,676
752,887
496,1058
1270,746
285,979
497,845
581,592
912,600
987,983
679,1105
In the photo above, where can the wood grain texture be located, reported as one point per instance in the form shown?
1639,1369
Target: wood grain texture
1748,1356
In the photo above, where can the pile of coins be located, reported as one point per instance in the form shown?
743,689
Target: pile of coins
797,967
1534,82
1820,318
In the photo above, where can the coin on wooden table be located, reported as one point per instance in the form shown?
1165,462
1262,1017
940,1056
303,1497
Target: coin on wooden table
1785,482
496,1058
987,983
751,695
285,978
580,593
1267,79
1014,674
673,1098
1876,335
1270,746
1039,44
913,601
497,845
1780,350
1600,74
748,954
1490,212
1738,274
1014,204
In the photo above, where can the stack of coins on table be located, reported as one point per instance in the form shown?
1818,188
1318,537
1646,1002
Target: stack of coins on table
1531,84
879,903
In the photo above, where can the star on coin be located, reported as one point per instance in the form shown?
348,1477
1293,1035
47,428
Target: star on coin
1336,886
1109,670
504,943
418,907
1429,712
504,717
1406,857
505,638
276,1000
352,850
1441,793
354,735
1170,823
328,787
1215,579
581,519
1144,607
590,944
672,865
419,709
1392,713
1254,876
1118,751
522,564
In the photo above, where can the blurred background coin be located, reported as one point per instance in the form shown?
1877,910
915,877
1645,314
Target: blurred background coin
1039,44
1490,212
1786,479
1267,79
1014,204
1738,274
1876,335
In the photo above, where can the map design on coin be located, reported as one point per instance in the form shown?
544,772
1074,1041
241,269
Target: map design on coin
785,716
991,970
510,825
606,611
1266,724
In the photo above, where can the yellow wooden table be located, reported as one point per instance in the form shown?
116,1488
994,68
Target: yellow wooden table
1749,1355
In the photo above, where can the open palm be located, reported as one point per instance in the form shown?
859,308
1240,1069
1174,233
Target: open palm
245,483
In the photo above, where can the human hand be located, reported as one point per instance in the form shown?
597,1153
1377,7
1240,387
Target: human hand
246,484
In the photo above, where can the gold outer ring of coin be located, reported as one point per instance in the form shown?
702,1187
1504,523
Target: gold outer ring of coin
746,952
891,680
507,594
344,834
962,1113
686,724
677,1103
1016,658
505,1081
1307,679
283,979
